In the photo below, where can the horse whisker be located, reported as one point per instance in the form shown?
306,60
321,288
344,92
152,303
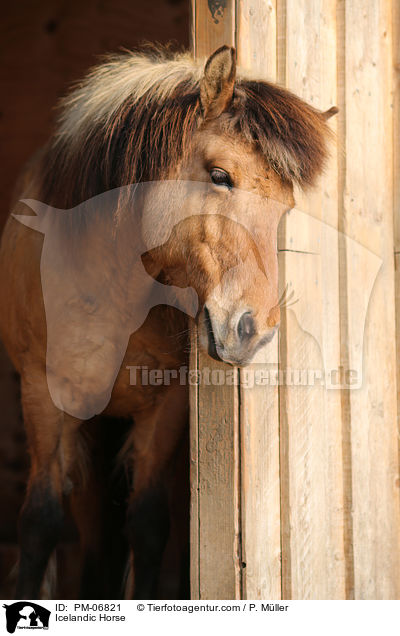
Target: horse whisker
286,305
283,294
285,298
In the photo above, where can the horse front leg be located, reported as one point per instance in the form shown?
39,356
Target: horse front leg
40,523
51,438
88,513
153,443
148,530
98,504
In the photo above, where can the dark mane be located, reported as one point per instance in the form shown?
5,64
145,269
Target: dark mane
291,134
142,138
141,144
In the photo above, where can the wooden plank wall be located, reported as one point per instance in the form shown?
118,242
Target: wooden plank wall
295,489
396,180
368,217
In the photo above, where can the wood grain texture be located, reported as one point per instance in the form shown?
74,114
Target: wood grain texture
256,37
396,123
214,25
312,490
259,406
343,301
318,468
260,478
219,563
396,182
194,471
216,567
368,218
214,461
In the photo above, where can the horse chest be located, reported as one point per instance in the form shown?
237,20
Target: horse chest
151,366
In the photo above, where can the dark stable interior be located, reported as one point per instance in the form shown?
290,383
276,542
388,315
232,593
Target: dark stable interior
46,46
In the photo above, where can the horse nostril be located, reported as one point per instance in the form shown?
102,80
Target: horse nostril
246,327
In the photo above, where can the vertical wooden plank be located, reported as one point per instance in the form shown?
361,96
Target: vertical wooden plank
214,25
343,301
194,471
256,37
260,492
311,436
281,42
219,566
260,498
283,428
368,217
216,550
396,182
396,123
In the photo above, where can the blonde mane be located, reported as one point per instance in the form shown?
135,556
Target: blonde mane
134,115
130,76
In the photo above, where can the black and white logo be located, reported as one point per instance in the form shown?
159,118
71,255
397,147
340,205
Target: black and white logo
26,615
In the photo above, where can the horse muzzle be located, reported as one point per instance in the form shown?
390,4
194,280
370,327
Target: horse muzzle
234,340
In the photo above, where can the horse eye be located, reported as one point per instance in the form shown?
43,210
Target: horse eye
221,178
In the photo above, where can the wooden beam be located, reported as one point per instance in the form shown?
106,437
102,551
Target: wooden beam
259,412
213,26
216,550
311,435
368,218
256,37
396,182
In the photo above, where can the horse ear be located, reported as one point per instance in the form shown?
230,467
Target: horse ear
329,113
216,87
